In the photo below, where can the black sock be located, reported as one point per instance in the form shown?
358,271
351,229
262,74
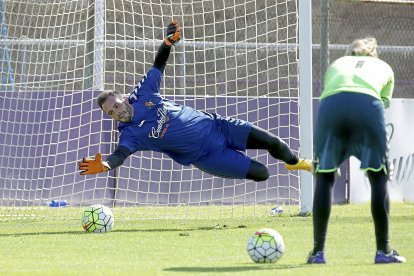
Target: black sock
322,203
278,149
380,206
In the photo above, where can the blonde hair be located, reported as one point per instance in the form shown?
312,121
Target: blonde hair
363,47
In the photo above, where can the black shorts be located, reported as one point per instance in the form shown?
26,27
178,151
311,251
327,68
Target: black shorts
350,124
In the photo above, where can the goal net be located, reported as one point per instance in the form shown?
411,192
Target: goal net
236,58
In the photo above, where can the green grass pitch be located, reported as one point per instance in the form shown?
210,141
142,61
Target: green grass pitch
201,247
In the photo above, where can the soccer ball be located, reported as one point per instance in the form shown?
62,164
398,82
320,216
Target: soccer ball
265,246
97,219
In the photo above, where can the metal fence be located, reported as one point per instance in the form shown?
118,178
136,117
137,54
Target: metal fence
27,63
390,22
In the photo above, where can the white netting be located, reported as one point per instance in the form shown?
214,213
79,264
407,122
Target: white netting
236,58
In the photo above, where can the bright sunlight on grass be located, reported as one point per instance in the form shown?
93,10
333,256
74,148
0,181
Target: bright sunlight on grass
188,247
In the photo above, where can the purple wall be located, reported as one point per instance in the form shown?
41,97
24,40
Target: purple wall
45,135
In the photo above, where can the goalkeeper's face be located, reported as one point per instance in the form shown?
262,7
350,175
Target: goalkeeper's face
118,109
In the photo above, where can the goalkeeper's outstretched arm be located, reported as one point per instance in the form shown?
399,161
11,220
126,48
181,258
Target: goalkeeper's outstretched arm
173,36
117,158
95,166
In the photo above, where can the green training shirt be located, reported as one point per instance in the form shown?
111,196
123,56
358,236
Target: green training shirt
360,74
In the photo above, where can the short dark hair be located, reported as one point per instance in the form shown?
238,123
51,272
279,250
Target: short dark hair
105,94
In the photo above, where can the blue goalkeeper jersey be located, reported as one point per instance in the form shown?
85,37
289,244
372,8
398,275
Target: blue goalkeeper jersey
161,125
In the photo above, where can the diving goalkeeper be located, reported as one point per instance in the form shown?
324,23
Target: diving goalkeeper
210,142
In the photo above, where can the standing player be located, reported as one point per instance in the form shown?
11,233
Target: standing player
351,122
147,121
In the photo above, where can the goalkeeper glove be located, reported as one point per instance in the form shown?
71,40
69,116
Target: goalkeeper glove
173,33
93,166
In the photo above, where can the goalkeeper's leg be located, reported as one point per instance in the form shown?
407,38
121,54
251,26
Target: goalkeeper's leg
257,171
263,139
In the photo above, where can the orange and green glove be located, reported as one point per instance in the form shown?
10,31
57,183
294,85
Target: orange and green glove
173,33
93,166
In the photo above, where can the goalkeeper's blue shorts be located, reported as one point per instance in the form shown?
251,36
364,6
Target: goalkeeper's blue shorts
350,124
225,158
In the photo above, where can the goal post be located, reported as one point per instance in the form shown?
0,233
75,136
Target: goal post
236,58
305,101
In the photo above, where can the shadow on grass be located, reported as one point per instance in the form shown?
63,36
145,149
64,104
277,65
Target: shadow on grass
42,233
258,267
183,232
